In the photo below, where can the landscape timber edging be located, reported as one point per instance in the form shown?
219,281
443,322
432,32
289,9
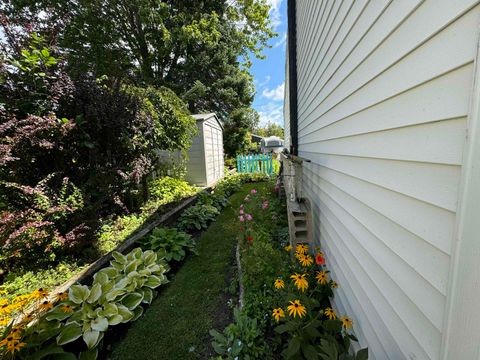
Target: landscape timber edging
126,245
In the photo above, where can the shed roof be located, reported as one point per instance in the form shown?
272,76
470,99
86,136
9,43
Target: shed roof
205,117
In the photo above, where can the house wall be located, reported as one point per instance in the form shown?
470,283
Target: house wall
196,165
383,99
213,139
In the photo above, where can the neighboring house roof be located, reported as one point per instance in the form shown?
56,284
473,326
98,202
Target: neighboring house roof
256,138
205,117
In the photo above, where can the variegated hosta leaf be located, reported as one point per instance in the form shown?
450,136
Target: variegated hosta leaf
153,282
57,313
137,313
147,295
99,324
126,314
95,293
91,338
131,301
149,257
131,266
113,294
100,278
91,354
78,293
70,333
115,319
119,257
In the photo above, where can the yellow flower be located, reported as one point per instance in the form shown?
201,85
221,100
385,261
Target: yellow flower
40,293
61,296
333,284
11,339
67,308
347,323
300,281
306,260
302,248
4,321
288,248
12,347
5,309
279,284
296,308
46,305
322,277
27,318
278,313
330,313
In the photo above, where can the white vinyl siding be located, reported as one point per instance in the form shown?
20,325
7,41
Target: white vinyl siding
383,99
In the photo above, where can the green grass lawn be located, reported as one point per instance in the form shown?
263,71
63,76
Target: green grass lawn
176,324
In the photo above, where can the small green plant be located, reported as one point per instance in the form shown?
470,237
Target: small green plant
169,243
216,199
243,339
197,217
170,189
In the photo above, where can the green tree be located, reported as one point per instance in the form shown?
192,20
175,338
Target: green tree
236,136
192,47
270,129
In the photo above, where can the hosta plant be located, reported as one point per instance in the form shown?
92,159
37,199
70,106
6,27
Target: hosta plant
114,297
217,199
169,243
197,217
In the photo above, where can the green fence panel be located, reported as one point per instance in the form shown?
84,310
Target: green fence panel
255,163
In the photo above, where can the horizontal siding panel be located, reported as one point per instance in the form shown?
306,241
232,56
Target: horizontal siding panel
366,89
391,319
431,223
440,142
413,291
445,97
404,244
365,19
392,17
433,183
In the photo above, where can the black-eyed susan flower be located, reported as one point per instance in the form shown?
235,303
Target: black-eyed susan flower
333,284
301,248
330,313
278,313
300,281
306,260
46,305
27,318
347,323
67,308
14,346
40,293
288,248
279,284
296,308
322,277
61,296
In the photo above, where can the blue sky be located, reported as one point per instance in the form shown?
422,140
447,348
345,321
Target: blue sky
269,74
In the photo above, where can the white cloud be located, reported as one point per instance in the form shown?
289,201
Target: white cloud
275,12
271,112
275,94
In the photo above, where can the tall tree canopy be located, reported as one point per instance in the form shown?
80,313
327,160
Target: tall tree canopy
192,47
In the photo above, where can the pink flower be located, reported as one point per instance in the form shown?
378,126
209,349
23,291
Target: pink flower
241,212
265,205
253,191
249,217
241,218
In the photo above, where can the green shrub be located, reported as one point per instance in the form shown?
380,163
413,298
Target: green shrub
169,243
216,199
169,189
197,217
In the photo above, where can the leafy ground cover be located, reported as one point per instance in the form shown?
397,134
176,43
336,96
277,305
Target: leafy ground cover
178,321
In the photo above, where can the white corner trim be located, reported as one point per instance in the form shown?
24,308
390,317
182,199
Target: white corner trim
461,335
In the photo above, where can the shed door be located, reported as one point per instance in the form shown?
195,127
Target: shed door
217,153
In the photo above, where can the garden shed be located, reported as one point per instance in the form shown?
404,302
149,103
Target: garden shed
205,156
